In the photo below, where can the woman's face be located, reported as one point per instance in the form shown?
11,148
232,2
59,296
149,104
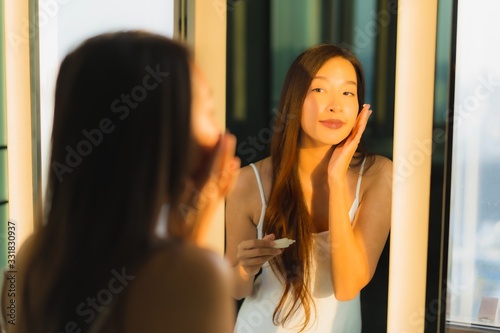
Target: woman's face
205,130
331,105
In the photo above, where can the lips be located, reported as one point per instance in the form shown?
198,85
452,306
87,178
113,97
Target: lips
332,123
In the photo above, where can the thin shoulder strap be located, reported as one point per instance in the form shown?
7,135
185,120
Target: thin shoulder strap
261,190
358,186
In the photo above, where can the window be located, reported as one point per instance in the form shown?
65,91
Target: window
474,237
63,24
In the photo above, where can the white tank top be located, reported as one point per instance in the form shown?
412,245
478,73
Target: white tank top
330,315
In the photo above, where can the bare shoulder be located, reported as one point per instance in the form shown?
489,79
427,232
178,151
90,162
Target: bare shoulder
378,177
183,287
380,164
265,171
246,194
247,180
180,264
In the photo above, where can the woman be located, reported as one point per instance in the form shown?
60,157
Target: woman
319,189
133,138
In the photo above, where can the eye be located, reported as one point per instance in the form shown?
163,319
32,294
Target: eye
317,89
348,93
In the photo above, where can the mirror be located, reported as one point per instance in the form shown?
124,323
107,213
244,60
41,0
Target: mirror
264,37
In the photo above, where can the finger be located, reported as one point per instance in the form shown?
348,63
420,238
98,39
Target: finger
213,185
235,169
252,268
225,165
230,142
266,241
365,114
206,160
218,161
258,252
269,237
230,166
265,247
255,262
360,125
228,149
258,260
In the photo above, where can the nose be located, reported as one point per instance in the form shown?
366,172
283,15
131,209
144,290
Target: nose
335,109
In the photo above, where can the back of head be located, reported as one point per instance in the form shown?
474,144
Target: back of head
120,147
121,100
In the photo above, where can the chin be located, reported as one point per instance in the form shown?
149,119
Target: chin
336,141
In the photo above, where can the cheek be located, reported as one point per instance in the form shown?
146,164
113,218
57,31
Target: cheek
307,121
311,104
352,121
352,114
309,112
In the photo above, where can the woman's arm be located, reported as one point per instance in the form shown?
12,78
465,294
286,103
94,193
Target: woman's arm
356,248
244,251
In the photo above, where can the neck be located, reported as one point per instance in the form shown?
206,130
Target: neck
313,162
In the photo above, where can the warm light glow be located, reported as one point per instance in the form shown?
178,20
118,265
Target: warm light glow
415,62
19,133
210,54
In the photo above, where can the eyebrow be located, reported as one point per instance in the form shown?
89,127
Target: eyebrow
325,78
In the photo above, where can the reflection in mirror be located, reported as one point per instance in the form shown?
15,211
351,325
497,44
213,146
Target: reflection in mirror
258,58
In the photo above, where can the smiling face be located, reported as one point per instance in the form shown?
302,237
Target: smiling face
331,105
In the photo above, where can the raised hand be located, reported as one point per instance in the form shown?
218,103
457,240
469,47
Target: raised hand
344,151
206,190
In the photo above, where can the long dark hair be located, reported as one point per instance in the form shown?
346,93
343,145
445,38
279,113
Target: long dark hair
286,214
120,146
